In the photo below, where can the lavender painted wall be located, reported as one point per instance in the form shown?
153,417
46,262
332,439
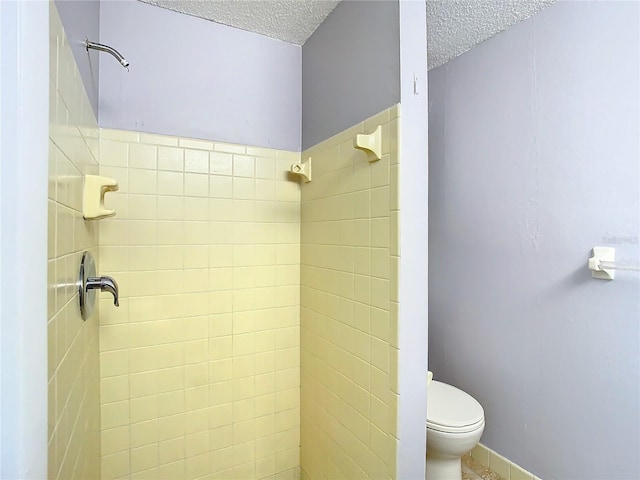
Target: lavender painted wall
350,68
195,78
81,20
534,159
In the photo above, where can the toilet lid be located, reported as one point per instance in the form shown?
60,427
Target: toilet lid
449,409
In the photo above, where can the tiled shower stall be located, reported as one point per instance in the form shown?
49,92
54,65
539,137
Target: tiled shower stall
257,332
276,329
201,363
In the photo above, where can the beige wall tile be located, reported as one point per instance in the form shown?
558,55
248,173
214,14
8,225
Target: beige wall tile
142,156
204,357
170,158
199,144
114,153
481,455
170,183
220,163
143,181
517,473
115,466
347,277
73,360
499,465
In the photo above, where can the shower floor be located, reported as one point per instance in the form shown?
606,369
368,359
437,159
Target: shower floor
472,470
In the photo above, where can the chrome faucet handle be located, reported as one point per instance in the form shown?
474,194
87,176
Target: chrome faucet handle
88,283
105,284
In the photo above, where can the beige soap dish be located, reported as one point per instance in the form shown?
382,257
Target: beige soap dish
303,169
95,188
371,144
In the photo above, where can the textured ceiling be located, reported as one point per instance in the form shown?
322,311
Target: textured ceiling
290,20
453,26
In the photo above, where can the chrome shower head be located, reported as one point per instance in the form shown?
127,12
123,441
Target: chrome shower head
108,49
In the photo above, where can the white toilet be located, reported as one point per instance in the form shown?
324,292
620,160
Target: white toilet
455,422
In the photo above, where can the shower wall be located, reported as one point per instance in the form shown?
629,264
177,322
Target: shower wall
73,363
349,271
200,364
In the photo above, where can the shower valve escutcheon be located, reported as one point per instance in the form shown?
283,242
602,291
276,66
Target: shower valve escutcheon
89,282
105,284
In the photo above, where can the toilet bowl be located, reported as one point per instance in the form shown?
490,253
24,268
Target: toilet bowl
455,422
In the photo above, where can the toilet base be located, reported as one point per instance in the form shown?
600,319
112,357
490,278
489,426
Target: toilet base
443,468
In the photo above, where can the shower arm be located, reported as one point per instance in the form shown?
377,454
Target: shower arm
105,48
